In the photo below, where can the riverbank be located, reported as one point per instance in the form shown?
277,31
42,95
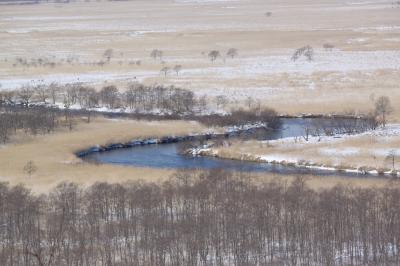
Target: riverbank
374,153
54,155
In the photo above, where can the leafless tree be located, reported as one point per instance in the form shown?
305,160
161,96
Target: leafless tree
213,55
306,51
42,93
328,46
25,94
109,96
383,108
200,218
156,54
53,90
165,70
30,168
221,101
232,52
177,69
108,54
392,157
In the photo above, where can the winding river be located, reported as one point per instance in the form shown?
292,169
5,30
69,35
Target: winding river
168,155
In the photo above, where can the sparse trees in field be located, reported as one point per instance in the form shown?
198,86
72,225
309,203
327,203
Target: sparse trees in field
177,69
306,51
383,108
232,52
213,55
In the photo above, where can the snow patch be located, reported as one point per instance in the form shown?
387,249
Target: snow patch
339,152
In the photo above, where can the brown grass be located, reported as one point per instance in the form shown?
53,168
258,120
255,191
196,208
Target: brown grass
54,154
54,157
322,153
197,28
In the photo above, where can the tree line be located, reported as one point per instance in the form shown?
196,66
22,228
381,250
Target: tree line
137,97
34,121
203,218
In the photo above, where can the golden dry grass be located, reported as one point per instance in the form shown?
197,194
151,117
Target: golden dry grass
55,160
54,154
184,30
352,152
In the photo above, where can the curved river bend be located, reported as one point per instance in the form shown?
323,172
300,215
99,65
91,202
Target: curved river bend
168,156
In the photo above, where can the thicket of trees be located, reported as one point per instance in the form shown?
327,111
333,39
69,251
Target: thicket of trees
38,120
137,97
208,218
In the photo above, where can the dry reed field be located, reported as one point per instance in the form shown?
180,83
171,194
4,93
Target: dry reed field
362,62
356,59
54,157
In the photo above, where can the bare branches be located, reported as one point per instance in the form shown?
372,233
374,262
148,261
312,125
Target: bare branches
30,168
232,53
213,55
383,108
200,218
306,51
156,54
177,69
165,70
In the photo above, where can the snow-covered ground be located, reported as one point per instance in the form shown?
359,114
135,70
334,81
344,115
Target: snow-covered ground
326,152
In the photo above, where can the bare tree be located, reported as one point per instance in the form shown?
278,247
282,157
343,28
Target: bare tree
177,69
108,54
328,46
383,108
109,96
53,90
392,157
25,94
249,101
232,52
306,51
156,54
268,14
213,55
165,70
30,168
42,93
221,101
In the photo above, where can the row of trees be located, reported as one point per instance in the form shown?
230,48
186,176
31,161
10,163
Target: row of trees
208,218
38,120
137,97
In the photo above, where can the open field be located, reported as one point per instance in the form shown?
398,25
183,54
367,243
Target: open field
364,63
55,159
374,151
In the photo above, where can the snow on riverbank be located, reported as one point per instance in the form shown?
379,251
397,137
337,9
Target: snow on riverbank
317,151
